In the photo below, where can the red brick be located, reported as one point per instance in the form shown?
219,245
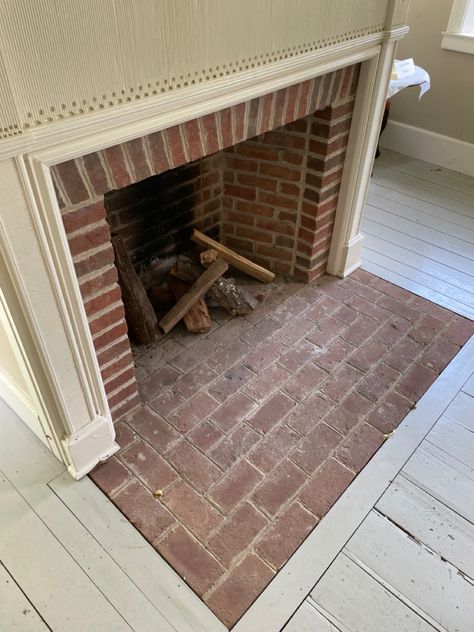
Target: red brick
96,173
349,413
403,354
148,466
83,217
143,510
426,307
118,166
193,466
119,380
230,414
224,118
189,384
236,533
426,329
414,383
117,366
94,262
124,435
175,147
254,235
155,383
253,110
325,487
98,282
316,448
291,103
234,446
157,150
205,436
331,357
398,308
192,137
459,330
101,302
360,446
439,353
378,381
281,201
271,450
118,403
277,489
72,181
285,535
265,112
235,486
298,356
190,559
389,412
261,331
155,430
232,381
195,355
305,381
392,331
267,381
306,415
271,412
166,403
106,320
193,412
339,384
360,330
233,351
192,509
325,331
93,238
322,309
235,594
110,476
138,159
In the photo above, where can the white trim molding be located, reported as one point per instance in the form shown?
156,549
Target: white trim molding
423,144
459,35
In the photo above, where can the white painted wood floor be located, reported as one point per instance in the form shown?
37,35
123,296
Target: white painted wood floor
410,565
419,230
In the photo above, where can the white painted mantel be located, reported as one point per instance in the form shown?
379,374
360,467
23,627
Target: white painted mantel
36,269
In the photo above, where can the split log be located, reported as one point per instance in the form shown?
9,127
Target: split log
139,312
208,256
225,292
253,269
197,320
198,289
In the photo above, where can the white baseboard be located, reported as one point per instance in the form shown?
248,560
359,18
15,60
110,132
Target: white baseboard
423,144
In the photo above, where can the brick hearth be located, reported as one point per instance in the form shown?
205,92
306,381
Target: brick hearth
254,430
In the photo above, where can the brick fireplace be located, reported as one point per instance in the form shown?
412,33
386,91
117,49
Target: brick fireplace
262,176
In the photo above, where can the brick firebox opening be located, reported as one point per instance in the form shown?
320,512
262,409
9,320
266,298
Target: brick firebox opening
262,176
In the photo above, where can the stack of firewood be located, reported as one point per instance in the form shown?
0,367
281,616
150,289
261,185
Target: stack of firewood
188,285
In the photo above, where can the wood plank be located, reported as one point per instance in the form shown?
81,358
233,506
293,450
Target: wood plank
58,588
437,210
139,313
308,619
431,522
414,244
427,583
451,198
242,263
443,477
469,386
435,270
427,171
194,293
17,612
358,603
388,274
461,409
148,570
431,220
454,439
196,319
423,233
393,258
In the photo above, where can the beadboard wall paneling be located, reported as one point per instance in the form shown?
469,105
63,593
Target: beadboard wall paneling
66,58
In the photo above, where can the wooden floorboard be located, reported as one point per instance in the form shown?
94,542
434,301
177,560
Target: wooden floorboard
419,231
16,611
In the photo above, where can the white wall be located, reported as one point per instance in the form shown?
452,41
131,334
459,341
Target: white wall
443,120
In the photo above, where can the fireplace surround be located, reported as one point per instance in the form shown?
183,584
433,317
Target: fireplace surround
263,176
